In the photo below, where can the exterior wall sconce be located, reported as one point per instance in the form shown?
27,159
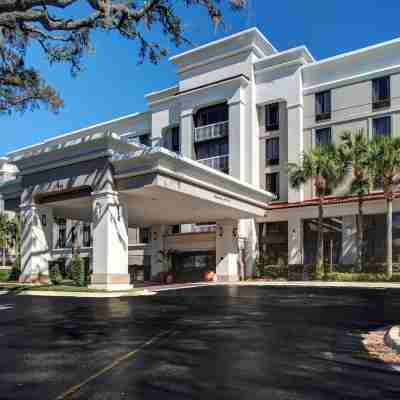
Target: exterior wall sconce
44,220
155,236
119,212
235,232
221,231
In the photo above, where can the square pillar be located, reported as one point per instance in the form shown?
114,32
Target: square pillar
349,239
187,133
248,240
295,240
157,243
36,243
227,251
237,140
110,243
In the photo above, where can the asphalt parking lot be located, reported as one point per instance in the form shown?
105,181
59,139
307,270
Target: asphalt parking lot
209,342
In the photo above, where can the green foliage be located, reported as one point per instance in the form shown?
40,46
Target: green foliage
4,276
16,269
64,36
318,272
78,273
54,273
360,277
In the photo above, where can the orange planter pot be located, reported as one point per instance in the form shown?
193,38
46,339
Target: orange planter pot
209,276
169,279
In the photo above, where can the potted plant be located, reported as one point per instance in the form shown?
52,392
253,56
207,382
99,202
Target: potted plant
209,275
167,275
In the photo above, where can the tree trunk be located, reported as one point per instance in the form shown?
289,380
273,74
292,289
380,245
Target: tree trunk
360,233
389,237
320,242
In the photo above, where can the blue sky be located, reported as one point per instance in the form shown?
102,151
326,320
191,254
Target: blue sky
113,84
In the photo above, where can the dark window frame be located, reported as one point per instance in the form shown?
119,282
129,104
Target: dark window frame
381,92
375,133
62,233
211,115
144,235
318,133
323,105
272,183
272,117
271,148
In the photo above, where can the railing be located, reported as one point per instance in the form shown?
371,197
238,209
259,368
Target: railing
212,131
203,228
220,163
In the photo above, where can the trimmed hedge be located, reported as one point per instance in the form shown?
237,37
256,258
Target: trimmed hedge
4,276
359,277
54,273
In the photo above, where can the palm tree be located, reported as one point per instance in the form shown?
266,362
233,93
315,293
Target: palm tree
385,168
356,151
325,168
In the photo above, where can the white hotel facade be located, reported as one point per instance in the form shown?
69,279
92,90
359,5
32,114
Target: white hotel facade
197,172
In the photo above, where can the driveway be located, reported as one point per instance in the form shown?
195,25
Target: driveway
220,342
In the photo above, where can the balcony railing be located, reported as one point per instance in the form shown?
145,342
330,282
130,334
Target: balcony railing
220,163
204,228
212,131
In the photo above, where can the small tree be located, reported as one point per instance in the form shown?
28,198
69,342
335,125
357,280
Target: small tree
78,271
54,273
325,168
385,168
356,151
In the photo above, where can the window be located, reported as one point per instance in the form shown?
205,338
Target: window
272,117
382,126
212,115
144,235
381,93
323,106
214,148
171,139
175,229
272,183
86,235
143,139
323,137
272,151
62,233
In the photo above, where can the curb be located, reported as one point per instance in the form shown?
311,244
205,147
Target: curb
48,293
392,338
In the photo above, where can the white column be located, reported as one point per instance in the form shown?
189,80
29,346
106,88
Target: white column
295,240
349,239
187,133
157,243
37,243
295,145
248,231
227,251
110,242
237,143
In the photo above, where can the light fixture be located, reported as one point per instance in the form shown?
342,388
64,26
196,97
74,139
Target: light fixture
155,236
44,220
235,232
221,231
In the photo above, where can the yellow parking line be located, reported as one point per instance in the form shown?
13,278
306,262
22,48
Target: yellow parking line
77,387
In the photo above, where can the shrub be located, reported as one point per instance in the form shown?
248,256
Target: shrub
276,271
15,270
360,277
54,273
78,271
4,276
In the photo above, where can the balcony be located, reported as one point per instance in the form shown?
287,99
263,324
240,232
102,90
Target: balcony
220,163
204,228
212,131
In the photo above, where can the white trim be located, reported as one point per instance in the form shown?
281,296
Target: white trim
81,130
175,58
285,52
298,61
366,76
354,52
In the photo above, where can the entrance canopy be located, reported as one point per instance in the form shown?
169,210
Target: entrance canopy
156,186
161,187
